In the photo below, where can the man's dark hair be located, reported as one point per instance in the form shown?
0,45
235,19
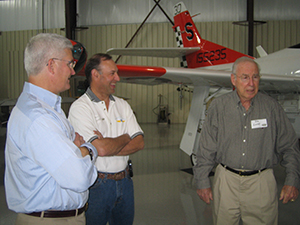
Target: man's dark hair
94,63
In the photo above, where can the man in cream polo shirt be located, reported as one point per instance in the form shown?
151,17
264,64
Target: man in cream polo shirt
109,123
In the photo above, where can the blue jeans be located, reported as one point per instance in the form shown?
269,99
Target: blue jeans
111,201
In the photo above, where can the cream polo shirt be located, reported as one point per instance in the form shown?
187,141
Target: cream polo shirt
89,113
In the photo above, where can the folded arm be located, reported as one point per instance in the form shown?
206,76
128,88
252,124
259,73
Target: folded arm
133,146
111,146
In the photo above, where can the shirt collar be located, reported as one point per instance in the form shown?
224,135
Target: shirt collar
94,98
46,96
238,100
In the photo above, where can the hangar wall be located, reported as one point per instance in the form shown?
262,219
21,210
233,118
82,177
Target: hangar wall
273,36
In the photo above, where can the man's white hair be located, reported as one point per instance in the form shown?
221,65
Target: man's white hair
43,47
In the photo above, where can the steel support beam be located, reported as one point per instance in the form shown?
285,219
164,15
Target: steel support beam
70,13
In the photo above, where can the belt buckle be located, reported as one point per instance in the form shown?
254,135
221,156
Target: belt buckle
240,173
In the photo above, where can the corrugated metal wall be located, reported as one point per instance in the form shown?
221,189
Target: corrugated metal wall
13,74
273,35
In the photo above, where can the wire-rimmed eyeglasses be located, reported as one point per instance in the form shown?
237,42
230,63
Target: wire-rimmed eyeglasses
70,64
246,78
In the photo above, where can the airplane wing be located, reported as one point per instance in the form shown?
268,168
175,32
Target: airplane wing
279,84
201,77
158,75
153,52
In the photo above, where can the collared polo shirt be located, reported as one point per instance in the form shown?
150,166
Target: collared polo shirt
89,113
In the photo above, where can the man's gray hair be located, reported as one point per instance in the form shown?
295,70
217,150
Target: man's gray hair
43,47
243,59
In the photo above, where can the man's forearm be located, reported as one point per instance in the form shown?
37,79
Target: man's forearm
133,146
111,146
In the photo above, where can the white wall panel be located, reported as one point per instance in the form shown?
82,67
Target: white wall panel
31,14
276,35
17,75
95,12
50,14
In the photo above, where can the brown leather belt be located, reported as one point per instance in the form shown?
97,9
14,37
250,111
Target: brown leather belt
114,176
58,214
243,172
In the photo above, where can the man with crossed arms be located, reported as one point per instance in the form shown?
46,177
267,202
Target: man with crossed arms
111,198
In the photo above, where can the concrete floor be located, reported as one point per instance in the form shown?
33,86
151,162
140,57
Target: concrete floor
164,194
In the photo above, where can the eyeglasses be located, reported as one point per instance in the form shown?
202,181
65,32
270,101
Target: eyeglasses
70,64
246,78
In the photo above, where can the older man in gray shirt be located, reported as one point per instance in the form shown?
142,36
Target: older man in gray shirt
246,132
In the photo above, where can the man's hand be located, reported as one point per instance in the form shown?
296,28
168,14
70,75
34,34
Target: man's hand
205,195
78,140
288,193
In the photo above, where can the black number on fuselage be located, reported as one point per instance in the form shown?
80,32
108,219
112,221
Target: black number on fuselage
210,56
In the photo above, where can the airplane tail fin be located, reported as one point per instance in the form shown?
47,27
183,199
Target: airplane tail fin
261,51
187,35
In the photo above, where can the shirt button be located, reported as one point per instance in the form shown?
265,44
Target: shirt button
245,127
243,154
244,141
242,167
244,114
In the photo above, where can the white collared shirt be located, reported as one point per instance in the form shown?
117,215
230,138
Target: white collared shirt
89,113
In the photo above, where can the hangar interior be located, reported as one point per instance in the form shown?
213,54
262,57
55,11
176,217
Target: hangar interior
164,194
